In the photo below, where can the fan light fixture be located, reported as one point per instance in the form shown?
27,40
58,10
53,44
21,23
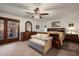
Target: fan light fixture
37,13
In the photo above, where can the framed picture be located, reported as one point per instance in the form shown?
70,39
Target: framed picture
71,25
56,24
37,27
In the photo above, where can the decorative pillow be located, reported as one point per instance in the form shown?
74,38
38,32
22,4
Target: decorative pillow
45,36
56,32
33,36
51,32
38,36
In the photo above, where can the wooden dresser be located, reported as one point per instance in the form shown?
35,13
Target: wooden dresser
25,36
71,38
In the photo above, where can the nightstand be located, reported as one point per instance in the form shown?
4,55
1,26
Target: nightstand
71,38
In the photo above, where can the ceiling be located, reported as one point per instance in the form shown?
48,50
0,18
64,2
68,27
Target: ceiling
55,10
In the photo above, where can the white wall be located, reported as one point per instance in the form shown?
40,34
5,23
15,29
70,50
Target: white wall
23,21
34,23
63,23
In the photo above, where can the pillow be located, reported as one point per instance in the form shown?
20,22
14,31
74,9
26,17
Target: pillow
51,32
56,32
38,36
45,36
33,36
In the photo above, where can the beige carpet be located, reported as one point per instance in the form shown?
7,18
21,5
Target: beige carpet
68,49
22,49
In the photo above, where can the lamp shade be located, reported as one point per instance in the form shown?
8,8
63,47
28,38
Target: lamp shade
45,28
71,28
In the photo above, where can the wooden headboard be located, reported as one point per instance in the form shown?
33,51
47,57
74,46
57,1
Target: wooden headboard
56,29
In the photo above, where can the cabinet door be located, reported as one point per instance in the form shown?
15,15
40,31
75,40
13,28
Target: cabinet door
1,29
12,29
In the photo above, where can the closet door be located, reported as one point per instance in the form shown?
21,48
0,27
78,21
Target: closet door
1,29
13,29
9,30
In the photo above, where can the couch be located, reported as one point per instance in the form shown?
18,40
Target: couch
41,42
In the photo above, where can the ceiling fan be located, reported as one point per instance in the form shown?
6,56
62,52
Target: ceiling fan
37,13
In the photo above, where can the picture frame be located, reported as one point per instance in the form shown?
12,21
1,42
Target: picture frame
71,25
37,27
56,24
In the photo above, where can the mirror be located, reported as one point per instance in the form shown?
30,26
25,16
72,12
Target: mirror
28,26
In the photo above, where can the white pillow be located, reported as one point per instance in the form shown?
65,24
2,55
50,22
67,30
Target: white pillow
33,36
45,36
38,36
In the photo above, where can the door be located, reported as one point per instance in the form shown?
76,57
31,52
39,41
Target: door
12,29
1,29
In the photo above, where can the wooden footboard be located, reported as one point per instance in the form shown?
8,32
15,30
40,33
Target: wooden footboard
47,46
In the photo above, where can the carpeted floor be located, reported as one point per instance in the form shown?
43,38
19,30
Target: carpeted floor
22,49
68,49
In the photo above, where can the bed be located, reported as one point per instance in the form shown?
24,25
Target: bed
58,35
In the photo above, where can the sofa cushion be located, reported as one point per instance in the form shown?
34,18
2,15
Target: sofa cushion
44,36
38,36
33,36
38,41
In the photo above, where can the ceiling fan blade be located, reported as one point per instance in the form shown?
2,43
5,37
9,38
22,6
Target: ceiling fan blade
40,17
32,17
44,13
29,13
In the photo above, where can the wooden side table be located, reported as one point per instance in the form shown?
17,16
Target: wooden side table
71,38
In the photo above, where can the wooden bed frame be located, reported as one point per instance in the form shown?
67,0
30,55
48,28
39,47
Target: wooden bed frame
56,29
56,41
